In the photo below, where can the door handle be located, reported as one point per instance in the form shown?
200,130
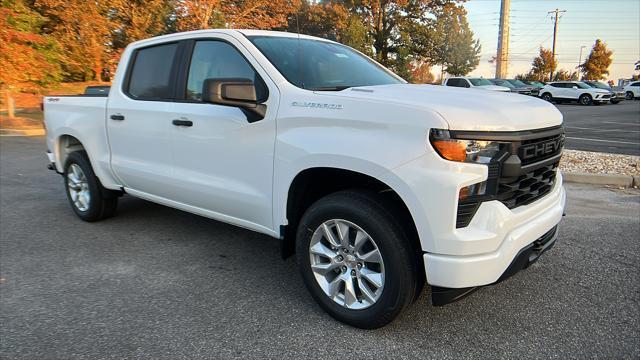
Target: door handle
117,117
179,122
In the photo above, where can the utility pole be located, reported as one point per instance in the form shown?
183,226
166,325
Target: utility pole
580,60
502,57
555,33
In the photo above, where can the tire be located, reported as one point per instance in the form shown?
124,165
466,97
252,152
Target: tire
629,95
614,102
87,197
547,97
585,99
357,212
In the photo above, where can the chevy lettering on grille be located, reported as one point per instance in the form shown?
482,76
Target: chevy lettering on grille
542,148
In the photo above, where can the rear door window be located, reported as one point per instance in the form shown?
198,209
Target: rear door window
152,72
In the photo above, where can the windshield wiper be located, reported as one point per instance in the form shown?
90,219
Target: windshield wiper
330,88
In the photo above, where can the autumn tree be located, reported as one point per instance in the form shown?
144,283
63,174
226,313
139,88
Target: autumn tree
455,49
596,66
543,65
237,14
421,73
141,19
84,30
199,14
564,75
28,59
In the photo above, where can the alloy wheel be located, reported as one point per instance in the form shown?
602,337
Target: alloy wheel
347,264
78,187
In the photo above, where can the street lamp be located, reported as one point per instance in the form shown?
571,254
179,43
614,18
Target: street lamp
580,60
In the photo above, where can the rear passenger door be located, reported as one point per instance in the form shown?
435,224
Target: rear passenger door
224,158
139,120
559,90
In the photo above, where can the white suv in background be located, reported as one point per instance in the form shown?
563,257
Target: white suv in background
478,83
632,90
574,91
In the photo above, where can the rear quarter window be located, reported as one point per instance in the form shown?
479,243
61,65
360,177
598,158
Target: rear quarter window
151,72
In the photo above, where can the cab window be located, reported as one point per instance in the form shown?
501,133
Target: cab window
150,74
214,59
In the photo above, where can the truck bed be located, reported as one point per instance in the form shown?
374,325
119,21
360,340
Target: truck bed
82,117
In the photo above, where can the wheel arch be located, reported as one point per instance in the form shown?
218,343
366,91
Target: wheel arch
65,145
311,184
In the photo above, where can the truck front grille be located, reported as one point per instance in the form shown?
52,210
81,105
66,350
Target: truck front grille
523,173
527,188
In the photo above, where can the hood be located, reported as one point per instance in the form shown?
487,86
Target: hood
465,110
493,87
602,91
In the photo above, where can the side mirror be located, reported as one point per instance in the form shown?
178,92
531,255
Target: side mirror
575,88
235,92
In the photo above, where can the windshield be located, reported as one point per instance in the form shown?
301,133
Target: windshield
517,83
503,83
480,82
599,85
320,65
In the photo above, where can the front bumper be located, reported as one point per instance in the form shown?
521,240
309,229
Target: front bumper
515,230
527,256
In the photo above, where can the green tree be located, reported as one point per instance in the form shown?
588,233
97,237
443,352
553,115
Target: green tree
596,66
543,65
330,20
456,50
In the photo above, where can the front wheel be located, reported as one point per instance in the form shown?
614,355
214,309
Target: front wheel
585,99
355,260
629,95
88,199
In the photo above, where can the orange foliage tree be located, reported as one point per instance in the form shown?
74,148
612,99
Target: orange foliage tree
28,59
84,30
246,14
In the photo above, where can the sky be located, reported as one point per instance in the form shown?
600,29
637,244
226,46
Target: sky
616,22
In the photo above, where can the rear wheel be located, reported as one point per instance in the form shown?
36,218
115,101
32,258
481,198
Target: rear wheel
547,97
585,99
629,95
355,259
88,199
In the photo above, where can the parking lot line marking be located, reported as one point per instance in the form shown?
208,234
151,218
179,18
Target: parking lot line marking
619,123
610,141
601,130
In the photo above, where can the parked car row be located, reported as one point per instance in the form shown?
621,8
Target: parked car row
585,92
588,92
505,85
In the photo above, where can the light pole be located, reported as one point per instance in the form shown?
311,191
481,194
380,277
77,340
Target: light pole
580,60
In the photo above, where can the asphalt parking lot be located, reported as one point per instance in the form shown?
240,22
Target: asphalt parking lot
605,128
154,282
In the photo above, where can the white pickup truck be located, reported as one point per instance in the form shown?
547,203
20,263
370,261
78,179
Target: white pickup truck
376,185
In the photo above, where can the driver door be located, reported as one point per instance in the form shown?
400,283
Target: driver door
223,158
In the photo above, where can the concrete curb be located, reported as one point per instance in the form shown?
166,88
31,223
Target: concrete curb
25,132
602,179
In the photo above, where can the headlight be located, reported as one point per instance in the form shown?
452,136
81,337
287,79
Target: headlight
473,151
